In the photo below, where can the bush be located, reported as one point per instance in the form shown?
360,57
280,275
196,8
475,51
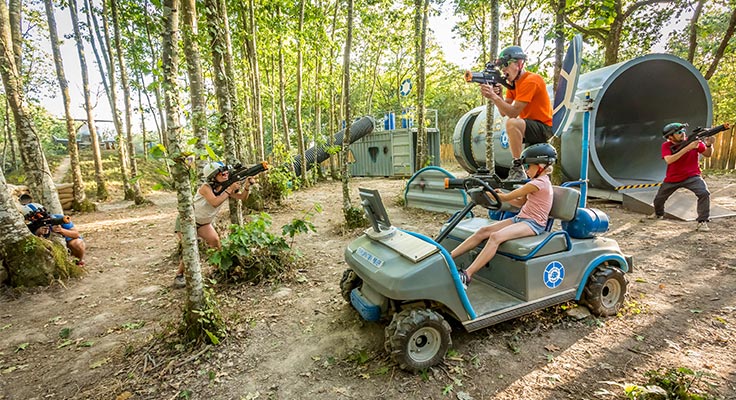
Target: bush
253,254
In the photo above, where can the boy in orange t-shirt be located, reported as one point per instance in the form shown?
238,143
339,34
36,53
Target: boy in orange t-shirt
527,106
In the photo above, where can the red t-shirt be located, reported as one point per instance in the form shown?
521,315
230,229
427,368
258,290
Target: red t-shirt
686,166
530,89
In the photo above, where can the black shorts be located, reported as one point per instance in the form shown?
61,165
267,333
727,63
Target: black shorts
536,132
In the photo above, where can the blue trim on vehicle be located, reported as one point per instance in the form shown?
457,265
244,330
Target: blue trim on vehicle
433,168
594,264
536,250
453,272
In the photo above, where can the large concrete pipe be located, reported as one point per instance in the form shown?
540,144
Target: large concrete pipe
631,102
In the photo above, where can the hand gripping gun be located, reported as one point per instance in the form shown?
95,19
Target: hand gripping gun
699,134
240,173
491,75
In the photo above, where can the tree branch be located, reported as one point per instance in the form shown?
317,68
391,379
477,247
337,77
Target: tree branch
722,48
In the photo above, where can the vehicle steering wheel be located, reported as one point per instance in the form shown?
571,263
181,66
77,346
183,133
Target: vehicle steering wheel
492,202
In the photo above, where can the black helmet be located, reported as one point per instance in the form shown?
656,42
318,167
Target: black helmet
672,128
540,153
508,54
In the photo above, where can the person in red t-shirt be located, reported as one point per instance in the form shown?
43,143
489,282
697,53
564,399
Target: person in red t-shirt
683,171
527,106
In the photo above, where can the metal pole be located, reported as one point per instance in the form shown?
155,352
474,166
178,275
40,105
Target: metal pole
585,149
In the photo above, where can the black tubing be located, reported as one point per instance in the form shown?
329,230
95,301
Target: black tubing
358,129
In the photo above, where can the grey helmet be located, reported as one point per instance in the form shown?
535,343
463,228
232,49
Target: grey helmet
540,153
673,128
508,54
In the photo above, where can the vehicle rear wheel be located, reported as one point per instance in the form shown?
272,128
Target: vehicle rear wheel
350,280
605,291
418,339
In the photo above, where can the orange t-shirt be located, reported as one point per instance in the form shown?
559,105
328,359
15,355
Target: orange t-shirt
530,89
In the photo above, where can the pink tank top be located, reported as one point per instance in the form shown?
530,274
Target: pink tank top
538,204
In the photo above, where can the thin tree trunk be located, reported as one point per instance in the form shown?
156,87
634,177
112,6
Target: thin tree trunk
256,74
333,106
142,110
34,161
298,108
282,96
107,52
156,88
190,31
77,183
346,203
693,31
124,81
102,193
190,252
490,108
218,46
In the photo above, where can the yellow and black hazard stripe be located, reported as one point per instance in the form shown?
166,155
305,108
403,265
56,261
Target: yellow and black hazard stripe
637,186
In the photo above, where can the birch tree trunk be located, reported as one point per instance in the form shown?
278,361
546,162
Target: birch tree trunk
77,183
190,252
420,31
251,42
124,81
34,161
490,107
15,12
107,52
298,108
196,81
102,193
333,106
215,25
346,203
282,96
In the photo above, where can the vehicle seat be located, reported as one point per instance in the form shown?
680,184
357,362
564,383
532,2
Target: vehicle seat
564,206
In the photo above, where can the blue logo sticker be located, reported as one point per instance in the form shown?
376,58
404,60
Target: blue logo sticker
554,273
504,139
405,87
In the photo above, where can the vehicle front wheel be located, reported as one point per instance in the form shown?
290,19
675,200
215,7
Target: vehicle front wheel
605,291
350,280
418,339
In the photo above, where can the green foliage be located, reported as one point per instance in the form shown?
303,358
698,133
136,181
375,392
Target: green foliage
253,254
672,383
355,217
209,319
280,181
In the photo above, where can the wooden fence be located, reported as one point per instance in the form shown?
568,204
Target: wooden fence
724,151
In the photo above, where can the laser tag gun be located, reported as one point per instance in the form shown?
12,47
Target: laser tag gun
484,175
36,216
491,75
699,133
240,173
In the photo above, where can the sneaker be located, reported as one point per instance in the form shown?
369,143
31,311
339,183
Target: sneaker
702,227
179,281
516,173
464,279
655,216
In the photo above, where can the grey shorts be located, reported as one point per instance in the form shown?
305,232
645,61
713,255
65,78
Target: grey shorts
532,224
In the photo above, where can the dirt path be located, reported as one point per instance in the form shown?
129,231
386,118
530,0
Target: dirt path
62,169
110,334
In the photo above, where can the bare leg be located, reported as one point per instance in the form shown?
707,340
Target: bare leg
77,247
517,230
478,237
515,128
210,236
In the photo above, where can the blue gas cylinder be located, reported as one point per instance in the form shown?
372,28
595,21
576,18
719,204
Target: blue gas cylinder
588,223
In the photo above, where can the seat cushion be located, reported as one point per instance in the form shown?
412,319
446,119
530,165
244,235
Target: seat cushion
523,246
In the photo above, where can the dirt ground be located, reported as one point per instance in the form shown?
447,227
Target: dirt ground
111,335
